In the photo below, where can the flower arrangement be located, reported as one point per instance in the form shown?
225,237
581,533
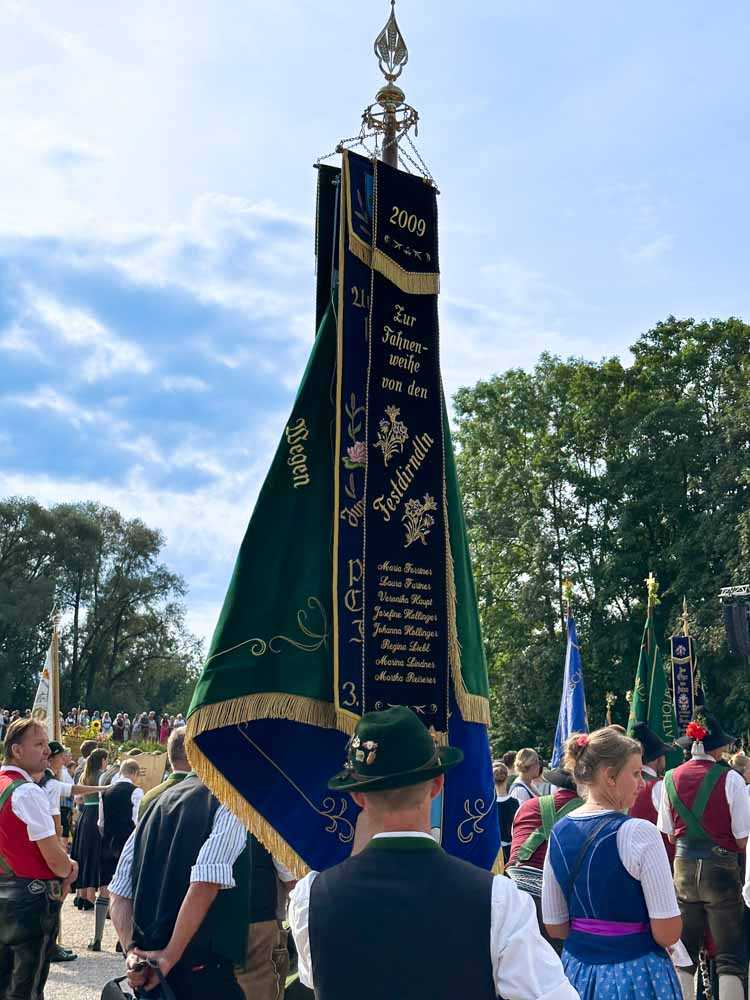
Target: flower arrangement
392,434
418,520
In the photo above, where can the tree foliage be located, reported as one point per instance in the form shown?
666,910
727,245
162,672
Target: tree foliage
123,639
601,473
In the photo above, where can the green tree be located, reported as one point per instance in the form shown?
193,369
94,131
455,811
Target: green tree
123,638
603,473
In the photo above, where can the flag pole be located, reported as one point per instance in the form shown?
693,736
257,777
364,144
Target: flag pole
55,678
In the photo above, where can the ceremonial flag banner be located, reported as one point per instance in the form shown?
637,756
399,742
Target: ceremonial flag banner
572,717
353,589
46,708
651,700
683,685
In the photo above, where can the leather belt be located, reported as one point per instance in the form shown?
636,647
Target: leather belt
22,888
700,852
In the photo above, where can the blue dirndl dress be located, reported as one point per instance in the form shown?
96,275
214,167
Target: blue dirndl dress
610,953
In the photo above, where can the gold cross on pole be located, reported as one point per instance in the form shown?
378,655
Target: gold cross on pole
652,585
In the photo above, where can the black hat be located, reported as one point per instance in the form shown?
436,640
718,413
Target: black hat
55,748
559,777
392,749
713,736
653,747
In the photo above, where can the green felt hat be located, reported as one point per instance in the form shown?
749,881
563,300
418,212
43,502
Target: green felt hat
392,749
55,748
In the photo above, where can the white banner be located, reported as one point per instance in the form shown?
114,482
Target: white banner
44,709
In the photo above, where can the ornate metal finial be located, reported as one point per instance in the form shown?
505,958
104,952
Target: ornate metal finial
567,593
390,48
684,618
652,584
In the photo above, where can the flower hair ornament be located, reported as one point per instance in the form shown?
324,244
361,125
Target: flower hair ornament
696,731
582,741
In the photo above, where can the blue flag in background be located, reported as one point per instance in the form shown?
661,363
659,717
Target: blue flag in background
572,718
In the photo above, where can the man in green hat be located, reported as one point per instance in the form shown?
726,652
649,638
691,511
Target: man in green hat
400,917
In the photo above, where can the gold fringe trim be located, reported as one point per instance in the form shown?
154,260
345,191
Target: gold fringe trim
269,705
360,249
499,866
228,795
346,722
411,282
473,707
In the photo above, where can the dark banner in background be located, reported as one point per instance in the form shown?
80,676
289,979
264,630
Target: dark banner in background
683,687
392,533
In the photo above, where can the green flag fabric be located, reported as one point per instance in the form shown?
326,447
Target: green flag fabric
264,730
651,700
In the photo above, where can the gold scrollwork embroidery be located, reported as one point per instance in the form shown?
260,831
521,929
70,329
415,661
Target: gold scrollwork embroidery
321,638
328,805
473,819
259,647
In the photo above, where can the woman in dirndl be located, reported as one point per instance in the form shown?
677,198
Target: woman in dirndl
607,888
87,842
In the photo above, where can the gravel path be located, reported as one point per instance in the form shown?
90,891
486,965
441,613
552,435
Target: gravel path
84,978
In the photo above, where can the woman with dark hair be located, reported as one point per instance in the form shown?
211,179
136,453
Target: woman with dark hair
607,889
87,843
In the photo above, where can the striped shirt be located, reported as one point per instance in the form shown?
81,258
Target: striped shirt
214,863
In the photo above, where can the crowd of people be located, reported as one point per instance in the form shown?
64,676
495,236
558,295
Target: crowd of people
118,726
622,879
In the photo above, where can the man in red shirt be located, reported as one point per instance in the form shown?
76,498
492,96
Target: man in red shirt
35,871
648,800
705,811
531,829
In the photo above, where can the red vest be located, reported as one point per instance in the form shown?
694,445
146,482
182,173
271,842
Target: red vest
643,808
717,819
526,821
22,855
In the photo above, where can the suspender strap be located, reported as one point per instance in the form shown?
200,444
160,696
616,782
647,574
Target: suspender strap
550,816
5,869
9,789
693,817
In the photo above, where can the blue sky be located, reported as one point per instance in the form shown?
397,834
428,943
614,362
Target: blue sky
156,218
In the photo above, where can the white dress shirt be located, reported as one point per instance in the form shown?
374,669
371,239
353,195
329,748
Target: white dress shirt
521,792
135,799
656,786
31,806
643,856
737,800
524,966
214,863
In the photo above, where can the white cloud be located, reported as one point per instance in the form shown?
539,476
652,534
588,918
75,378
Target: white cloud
106,353
652,250
46,397
183,383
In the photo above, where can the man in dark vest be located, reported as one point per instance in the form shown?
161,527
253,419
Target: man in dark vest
179,768
648,799
531,829
705,811
264,972
35,870
401,918
179,895
118,811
